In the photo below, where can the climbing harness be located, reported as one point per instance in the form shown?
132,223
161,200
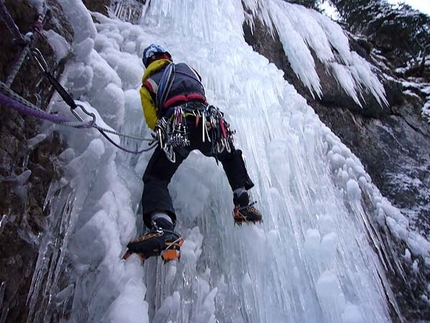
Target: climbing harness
12,100
218,130
173,133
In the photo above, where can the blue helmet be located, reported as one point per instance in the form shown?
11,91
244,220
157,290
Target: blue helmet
150,51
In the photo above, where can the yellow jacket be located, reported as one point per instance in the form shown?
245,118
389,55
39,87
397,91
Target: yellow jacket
148,104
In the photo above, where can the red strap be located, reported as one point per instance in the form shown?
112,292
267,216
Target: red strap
148,86
183,98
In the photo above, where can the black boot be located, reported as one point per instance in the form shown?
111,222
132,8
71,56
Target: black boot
243,210
160,240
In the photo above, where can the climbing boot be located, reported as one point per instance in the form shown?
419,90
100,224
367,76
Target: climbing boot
243,210
161,240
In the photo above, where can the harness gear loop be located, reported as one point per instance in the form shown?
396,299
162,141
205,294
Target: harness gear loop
221,134
173,133
179,134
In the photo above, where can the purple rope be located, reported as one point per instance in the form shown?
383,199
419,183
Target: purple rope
11,103
4,13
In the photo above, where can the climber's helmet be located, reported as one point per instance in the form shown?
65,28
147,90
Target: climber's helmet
154,52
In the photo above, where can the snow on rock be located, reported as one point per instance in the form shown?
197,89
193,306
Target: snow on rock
301,30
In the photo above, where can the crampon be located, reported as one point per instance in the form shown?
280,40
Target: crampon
246,214
166,244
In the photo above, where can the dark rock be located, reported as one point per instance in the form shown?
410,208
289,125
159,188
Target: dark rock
23,216
97,5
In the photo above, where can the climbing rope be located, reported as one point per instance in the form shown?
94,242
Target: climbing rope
12,100
10,24
41,62
20,60
27,41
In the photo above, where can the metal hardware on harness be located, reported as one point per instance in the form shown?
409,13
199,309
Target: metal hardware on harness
179,135
218,130
173,133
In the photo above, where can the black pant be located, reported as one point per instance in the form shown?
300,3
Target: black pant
159,172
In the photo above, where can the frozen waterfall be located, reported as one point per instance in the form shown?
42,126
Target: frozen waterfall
314,259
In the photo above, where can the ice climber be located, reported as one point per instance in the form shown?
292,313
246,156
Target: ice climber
175,107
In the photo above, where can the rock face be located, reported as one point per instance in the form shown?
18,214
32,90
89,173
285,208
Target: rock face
27,160
392,142
97,5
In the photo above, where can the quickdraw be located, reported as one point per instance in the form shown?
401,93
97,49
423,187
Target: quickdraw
222,135
10,99
173,133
